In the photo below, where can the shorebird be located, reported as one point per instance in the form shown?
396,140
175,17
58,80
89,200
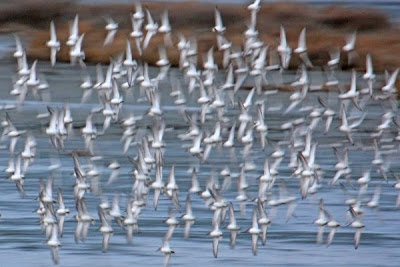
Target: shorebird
62,211
105,229
216,233
219,26
76,53
73,32
19,50
321,221
165,28
349,47
333,225
151,27
111,28
188,217
232,226
53,44
283,49
54,243
255,231
357,225
301,49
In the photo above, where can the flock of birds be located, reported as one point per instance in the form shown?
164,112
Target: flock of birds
210,126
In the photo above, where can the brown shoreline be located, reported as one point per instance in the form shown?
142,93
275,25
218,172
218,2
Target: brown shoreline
326,29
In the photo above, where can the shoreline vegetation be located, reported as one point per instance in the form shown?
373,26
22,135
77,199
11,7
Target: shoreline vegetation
327,28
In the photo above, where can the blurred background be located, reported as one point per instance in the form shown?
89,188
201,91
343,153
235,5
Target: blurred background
328,23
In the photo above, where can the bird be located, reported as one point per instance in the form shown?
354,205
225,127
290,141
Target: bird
333,225
357,225
352,93
283,49
105,229
321,221
255,231
216,233
349,47
151,27
19,51
301,49
54,243
62,211
73,32
263,220
53,44
188,217
219,26
76,53
111,28
165,28
390,84
115,211
166,249
232,226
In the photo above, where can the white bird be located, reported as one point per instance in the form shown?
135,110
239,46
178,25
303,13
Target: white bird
390,84
171,188
137,33
283,49
111,28
151,27
115,210
352,93
216,233
348,128
138,15
255,231
33,79
301,49
219,26
369,73
105,229
157,185
334,55
23,68
73,32
117,98
350,42
172,223
357,225
195,188
188,217
53,44
54,243
166,249
333,225
130,221
19,50
165,28
374,202
232,226
87,83
349,47
321,221
62,211
76,53
47,194
255,6
264,221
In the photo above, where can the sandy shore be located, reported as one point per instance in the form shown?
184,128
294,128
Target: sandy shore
326,29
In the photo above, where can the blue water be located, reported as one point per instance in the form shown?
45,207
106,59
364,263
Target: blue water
289,243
